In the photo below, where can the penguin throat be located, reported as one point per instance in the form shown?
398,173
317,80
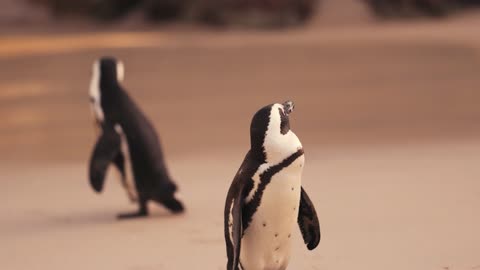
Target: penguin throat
277,146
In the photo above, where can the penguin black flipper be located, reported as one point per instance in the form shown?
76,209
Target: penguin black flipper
234,225
234,207
105,151
308,221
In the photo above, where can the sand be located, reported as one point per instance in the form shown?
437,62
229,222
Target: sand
395,207
388,115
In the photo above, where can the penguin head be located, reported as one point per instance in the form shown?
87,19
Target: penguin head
270,135
108,70
106,74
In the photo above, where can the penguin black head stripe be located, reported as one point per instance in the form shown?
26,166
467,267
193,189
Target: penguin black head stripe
267,122
128,141
266,198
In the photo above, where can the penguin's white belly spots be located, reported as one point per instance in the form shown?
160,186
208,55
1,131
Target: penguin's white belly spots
266,243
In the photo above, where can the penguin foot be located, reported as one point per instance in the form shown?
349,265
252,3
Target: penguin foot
132,215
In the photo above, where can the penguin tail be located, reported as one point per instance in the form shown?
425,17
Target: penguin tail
166,195
174,205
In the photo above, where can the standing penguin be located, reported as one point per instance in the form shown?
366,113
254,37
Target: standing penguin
129,141
266,197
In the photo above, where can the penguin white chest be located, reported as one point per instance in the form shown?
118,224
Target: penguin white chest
266,243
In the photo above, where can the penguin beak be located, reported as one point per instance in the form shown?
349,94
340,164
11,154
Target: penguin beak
288,107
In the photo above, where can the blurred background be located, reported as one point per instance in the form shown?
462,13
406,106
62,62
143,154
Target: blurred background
387,108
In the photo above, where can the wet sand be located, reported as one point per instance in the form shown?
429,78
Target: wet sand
388,115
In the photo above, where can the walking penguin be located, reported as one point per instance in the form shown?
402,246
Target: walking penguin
128,141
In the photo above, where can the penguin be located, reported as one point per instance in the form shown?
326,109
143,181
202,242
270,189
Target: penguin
266,197
127,140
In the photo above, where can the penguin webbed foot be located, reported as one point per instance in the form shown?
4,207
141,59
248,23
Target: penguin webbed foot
132,215
142,212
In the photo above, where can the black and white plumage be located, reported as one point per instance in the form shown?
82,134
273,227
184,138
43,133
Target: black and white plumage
266,197
127,140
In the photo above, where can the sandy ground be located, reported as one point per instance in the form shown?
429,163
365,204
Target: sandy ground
388,115
396,207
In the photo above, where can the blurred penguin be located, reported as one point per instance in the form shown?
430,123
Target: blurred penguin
128,141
